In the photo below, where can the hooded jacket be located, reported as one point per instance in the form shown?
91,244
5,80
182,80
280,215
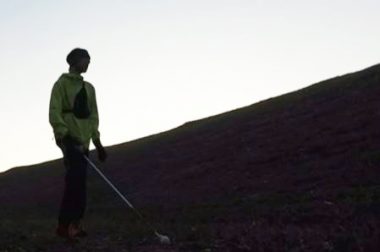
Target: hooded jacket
65,123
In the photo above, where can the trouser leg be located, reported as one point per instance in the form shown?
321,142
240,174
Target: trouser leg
73,203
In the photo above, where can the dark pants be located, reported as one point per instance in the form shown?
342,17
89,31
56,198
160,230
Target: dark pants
74,197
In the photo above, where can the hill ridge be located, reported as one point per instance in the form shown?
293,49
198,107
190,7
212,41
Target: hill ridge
298,167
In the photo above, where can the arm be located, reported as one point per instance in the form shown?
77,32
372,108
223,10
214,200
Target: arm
55,113
94,117
102,154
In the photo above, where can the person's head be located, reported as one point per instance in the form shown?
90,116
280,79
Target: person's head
78,59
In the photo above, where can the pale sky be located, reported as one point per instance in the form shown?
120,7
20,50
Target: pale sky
157,64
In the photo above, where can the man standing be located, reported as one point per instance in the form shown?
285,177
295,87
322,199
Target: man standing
73,114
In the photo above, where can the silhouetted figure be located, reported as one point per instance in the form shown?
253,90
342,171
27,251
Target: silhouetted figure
73,114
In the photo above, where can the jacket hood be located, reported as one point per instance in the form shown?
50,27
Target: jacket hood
72,76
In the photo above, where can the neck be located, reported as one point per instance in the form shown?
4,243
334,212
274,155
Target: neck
74,70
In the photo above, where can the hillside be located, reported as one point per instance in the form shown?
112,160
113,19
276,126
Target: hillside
297,172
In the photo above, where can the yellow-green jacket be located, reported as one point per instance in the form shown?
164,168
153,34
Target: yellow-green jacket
62,100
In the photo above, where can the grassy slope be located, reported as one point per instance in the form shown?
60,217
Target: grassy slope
293,173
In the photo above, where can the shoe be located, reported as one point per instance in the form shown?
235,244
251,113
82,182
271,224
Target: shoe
63,231
76,230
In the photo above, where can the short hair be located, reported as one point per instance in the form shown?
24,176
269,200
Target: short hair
75,55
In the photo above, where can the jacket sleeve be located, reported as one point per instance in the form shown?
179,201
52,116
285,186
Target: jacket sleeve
55,112
94,117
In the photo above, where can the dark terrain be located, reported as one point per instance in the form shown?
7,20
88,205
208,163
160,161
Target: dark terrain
299,172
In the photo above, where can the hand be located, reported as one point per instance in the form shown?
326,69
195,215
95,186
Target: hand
68,143
59,142
62,141
102,154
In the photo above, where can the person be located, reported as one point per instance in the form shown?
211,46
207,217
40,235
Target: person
73,115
